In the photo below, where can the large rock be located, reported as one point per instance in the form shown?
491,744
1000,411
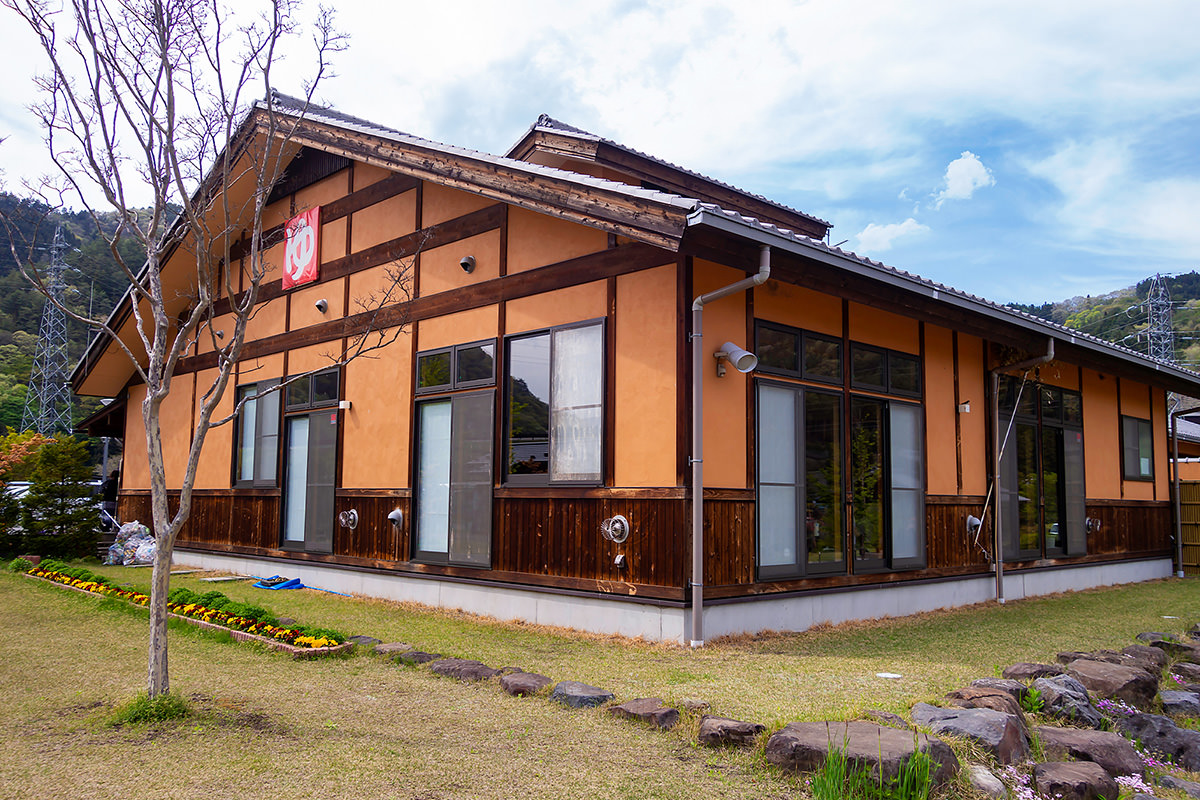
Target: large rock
1017,689
803,747
580,695
1187,670
1135,686
1074,780
1110,750
1151,659
1025,671
984,781
521,684
414,657
1160,735
1170,645
888,718
391,648
1186,704
1190,788
464,669
649,710
720,731
1065,698
1002,734
981,697
363,640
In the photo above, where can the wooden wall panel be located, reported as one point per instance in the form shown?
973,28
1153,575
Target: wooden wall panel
948,544
375,537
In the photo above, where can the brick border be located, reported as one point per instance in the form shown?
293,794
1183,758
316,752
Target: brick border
298,653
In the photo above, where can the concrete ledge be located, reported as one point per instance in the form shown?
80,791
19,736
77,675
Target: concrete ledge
604,615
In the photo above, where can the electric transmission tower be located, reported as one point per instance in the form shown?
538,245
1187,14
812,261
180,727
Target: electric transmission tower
1160,338
48,398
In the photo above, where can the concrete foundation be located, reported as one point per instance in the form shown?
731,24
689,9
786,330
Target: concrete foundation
670,623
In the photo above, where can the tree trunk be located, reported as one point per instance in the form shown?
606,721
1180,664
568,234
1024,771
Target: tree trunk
158,682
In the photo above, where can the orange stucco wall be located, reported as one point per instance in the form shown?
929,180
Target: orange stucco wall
1101,436
377,428
304,312
972,383
175,423
440,203
941,466
314,357
441,270
1162,445
646,419
535,240
269,319
135,467
213,469
1058,373
560,307
881,328
384,221
323,191
366,174
798,307
465,326
725,410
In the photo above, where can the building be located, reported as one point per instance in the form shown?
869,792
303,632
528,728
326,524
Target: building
523,446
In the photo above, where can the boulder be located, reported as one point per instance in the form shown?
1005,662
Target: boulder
391,648
649,710
803,747
1186,704
693,704
1017,689
1065,698
721,731
1170,645
1187,670
1135,686
1074,780
888,718
1160,735
414,657
1001,734
365,641
1149,637
1190,788
522,684
1025,671
1110,750
981,697
1151,659
464,669
986,783
580,695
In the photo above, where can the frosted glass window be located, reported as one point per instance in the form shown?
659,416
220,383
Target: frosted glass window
577,394
777,459
295,492
433,478
907,478
246,429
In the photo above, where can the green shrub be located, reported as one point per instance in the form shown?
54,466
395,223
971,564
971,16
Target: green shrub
182,595
142,709
19,565
59,514
213,599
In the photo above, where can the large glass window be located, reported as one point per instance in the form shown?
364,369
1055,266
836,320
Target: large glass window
256,453
1041,471
554,406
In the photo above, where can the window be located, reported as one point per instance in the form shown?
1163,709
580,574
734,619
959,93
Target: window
1041,471
458,367
313,391
257,451
310,469
840,475
554,407
1137,449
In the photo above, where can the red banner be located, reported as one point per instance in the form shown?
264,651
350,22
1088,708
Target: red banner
302,249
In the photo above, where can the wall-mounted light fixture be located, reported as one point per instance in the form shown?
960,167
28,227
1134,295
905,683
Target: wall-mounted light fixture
467,264
742,360
396,517
322,305
973,524
964,407
220,334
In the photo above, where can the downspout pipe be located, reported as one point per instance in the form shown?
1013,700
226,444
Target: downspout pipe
998,437
1175,415
698,366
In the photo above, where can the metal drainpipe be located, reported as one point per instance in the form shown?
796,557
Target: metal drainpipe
998,442
1175,486
764,272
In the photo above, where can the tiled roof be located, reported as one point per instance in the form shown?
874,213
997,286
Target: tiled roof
546,122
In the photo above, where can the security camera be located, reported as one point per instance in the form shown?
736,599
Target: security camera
322,305
468,264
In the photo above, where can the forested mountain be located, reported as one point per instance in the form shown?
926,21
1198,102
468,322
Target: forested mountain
1122,316
95,282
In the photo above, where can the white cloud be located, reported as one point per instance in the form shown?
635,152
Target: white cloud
878,238
964,175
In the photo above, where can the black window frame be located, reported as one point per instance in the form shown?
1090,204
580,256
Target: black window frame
265,392
310,380
455,353
1143,431
543,479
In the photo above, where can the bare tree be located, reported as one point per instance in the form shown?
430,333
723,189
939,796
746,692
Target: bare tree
146,104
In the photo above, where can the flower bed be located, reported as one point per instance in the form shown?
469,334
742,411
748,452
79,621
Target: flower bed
244,623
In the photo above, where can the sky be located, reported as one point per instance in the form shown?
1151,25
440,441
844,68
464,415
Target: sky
1021,151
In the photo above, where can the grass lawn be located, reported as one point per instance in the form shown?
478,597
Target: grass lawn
359,727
